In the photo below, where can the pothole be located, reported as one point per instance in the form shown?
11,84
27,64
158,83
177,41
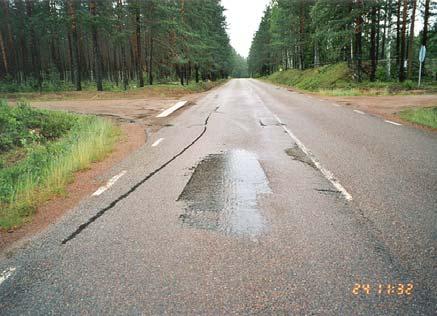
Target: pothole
222,194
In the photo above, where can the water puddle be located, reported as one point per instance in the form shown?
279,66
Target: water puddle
222,194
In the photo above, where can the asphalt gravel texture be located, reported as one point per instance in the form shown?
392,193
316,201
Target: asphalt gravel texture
228,216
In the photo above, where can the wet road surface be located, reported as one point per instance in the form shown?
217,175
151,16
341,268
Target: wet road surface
256,200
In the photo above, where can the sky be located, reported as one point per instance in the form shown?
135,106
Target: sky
243,18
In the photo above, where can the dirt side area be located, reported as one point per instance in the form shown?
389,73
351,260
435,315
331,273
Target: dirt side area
387,106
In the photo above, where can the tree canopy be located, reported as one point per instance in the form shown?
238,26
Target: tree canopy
115,41
374,37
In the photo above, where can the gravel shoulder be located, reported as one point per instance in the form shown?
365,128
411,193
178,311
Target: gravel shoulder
388,106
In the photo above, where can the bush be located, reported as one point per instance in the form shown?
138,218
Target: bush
325,77
409,85
21,125
47,165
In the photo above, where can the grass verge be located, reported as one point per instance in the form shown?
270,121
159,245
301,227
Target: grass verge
48,163
337,80
422,116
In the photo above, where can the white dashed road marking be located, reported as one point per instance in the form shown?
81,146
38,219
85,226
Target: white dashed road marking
394,123
328,174
157,142
109,184
6,274
359,112
175,107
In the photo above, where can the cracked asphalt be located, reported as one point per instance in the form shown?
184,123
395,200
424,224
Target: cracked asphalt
227,215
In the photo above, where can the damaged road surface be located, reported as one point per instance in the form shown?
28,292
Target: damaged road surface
222,194
257,201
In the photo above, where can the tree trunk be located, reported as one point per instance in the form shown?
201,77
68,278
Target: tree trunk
398,32
316,55
138,41
389,39
124,71
425,30
358,42
373,53
425,23
9,47
96,48
384,33
411,44
403,41
151,59
4,56
378,34
301,36
36,62
74,45
196,69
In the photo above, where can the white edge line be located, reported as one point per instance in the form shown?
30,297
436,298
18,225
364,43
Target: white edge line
170,110
359,112
157,142
391,122
328,174
109,184
6,274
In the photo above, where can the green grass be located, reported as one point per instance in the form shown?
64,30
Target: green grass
422,116
337,80
48,163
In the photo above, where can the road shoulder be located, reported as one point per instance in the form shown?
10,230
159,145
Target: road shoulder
83,183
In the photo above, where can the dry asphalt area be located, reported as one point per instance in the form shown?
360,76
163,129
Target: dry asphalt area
252,200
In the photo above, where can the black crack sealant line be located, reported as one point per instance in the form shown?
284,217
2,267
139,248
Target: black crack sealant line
125,195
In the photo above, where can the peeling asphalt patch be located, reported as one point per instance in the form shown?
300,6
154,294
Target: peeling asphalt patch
125,195
297,154
222,194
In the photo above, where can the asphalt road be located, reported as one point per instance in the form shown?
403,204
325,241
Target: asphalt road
255,200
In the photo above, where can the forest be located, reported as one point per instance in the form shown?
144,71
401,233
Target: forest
379,40
69,44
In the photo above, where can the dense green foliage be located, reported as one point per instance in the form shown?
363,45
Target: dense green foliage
43,149
372,37
423,116
336,80
21,126
53,45
313,79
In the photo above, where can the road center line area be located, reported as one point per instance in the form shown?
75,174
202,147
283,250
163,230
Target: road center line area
156,143
6,274
109,184
393,123
172,109
326,173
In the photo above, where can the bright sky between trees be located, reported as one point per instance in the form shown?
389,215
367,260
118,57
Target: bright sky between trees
243,17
